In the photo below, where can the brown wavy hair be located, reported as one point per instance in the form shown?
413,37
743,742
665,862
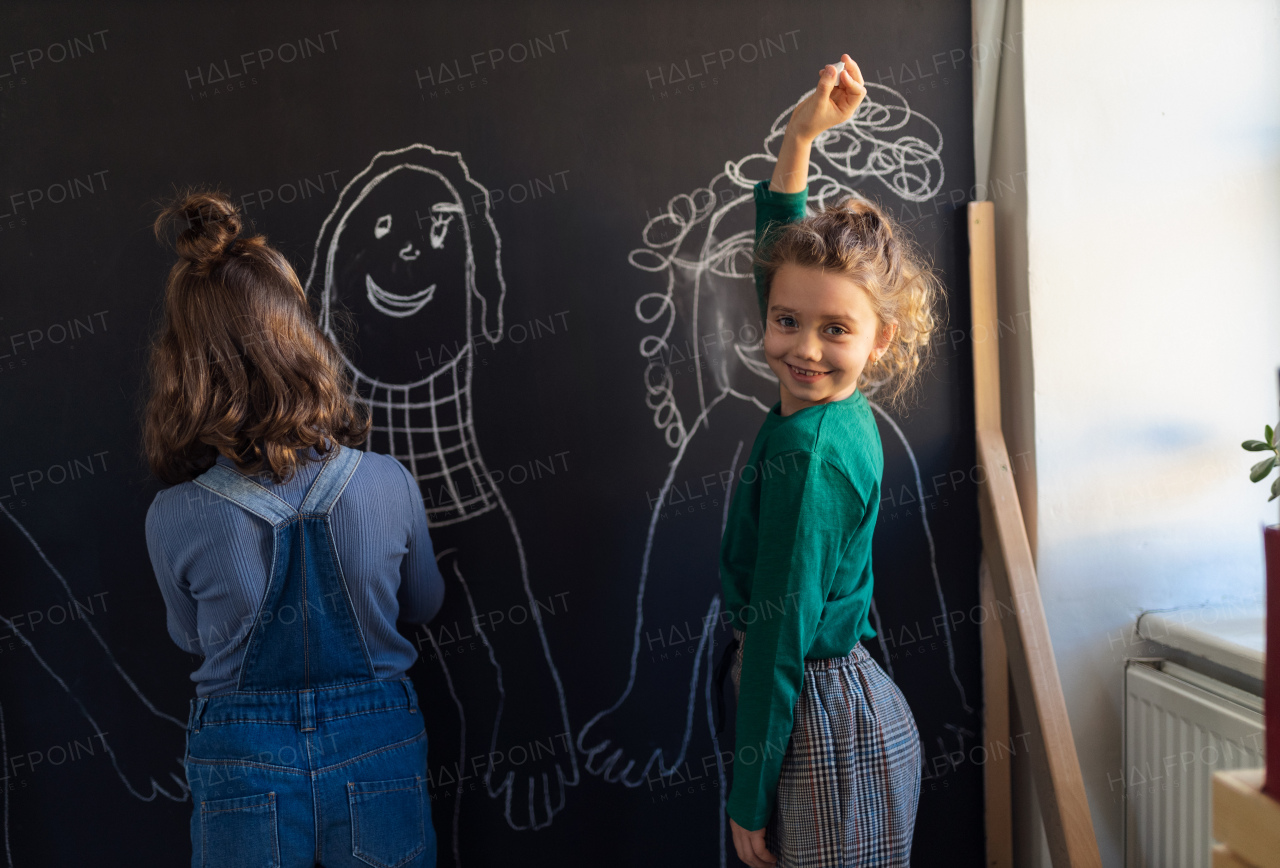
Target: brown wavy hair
238,366
857,239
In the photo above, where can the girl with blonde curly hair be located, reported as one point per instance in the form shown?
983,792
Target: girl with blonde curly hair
827,760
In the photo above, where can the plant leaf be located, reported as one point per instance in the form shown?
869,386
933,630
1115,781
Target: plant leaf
1275,489
1271,436
1255,446
1262,468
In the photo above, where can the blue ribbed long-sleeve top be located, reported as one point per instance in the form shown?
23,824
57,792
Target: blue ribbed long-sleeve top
212,560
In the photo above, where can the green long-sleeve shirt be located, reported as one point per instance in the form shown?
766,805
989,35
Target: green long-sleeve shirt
795,561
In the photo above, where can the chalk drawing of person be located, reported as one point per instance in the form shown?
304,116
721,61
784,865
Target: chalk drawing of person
411,258
707,384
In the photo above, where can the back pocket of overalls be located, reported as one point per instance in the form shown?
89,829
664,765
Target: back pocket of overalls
239,832
387,821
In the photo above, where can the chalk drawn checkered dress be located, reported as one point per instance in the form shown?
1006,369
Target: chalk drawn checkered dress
428,426
850,781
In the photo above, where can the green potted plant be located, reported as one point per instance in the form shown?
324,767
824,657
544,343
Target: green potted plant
1263,468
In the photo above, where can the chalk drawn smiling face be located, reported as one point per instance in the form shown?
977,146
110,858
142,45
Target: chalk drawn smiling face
400,269
728,324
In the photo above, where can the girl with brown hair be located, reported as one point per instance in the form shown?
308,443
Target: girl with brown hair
285,557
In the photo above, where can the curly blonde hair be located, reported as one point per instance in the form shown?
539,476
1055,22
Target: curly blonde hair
857,239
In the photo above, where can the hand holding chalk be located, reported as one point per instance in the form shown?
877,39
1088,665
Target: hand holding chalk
834,101
839,92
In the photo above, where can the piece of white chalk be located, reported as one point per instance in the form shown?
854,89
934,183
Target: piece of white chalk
839,66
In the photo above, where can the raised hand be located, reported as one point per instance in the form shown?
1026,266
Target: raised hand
833,101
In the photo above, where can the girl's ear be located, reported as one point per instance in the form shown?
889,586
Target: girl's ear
887,333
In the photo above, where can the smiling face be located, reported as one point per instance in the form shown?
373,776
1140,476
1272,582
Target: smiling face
820,330
399,268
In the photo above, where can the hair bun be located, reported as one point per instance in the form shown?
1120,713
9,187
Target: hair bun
204,225
867,215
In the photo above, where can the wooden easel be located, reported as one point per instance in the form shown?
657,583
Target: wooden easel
1015,635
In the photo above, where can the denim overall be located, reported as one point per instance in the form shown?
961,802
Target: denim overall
311,760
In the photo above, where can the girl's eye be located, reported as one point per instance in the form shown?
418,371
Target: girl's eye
837,330
439,227
786,321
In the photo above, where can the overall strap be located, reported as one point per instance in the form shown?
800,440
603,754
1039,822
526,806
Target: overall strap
241,490
332,480
306,634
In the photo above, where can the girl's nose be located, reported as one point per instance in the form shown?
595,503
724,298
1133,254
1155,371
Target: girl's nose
808,346
409,253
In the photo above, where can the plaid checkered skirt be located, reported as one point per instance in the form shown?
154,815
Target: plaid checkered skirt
850,780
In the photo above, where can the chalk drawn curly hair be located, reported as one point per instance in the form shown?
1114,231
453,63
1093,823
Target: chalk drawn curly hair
859,240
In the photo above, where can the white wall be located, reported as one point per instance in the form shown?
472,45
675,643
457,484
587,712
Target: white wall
1153,254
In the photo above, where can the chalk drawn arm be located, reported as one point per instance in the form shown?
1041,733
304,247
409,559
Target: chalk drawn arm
681,639
531,721
81,656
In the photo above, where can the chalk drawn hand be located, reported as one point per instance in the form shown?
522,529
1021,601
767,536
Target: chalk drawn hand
134,769
80,655
173,785
608,741
674,632
531,759
529,746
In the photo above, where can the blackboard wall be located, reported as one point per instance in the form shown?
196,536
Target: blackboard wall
610,442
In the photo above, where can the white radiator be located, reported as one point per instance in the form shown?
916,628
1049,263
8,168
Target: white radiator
1179,728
